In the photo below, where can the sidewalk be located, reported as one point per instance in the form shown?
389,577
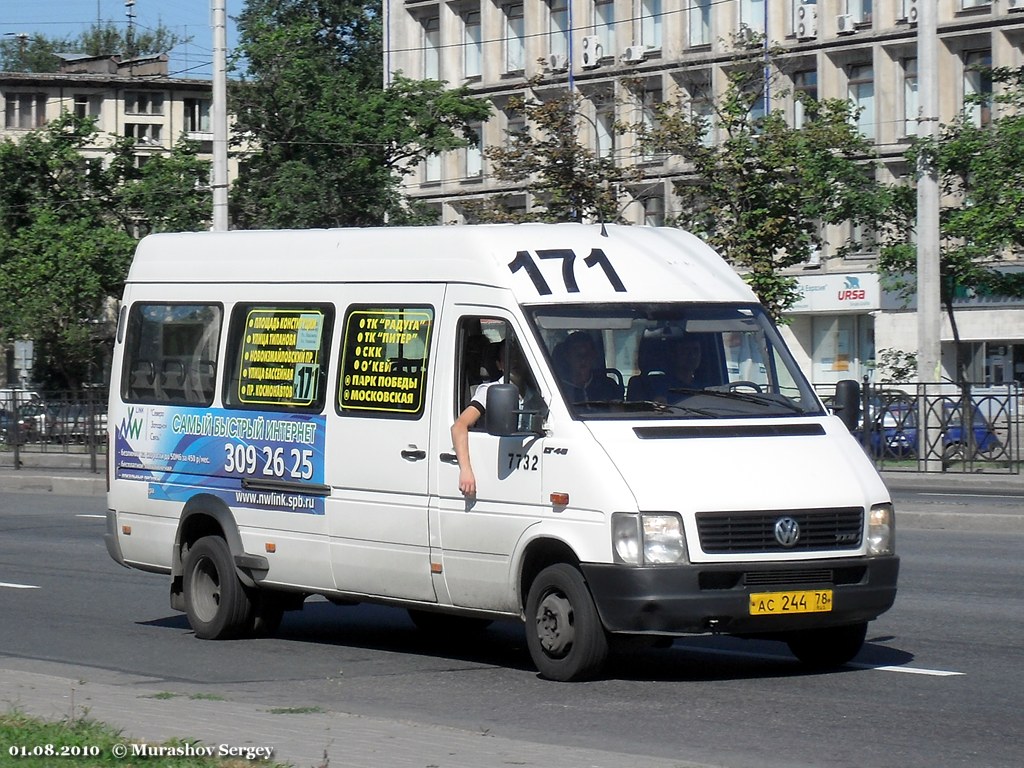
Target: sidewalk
314,739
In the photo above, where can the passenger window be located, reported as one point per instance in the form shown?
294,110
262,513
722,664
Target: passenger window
385,353
278,355
171,353
487,348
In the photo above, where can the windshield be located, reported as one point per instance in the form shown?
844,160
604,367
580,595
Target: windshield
656,361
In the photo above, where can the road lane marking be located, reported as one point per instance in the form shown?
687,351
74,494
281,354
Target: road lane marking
780,657
92,517
8,585
908,670
970,495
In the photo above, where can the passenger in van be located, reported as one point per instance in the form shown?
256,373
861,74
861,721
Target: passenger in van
583,379
678,371
478,406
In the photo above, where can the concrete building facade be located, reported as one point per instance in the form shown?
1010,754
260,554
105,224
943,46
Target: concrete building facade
621,55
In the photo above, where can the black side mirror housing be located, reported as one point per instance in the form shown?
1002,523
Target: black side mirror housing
503,416
847,402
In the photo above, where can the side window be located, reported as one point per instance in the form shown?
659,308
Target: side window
278,356
385,352
171,353
487,349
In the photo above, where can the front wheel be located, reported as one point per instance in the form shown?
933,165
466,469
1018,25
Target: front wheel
564,633
216,602
830,647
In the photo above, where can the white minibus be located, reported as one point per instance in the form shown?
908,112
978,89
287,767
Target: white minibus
280,425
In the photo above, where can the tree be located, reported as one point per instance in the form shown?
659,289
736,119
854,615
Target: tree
39,53
763,192
324,144
68,227
981,223
568,181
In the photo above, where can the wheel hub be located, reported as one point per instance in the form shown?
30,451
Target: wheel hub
555,625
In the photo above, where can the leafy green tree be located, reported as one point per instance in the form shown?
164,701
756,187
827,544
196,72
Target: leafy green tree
981,222
39,53
567,180
762,193
68,227
323,142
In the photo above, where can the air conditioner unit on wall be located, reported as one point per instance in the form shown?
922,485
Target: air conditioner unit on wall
591,52
558,62
845,24
806,21
910,8
634,54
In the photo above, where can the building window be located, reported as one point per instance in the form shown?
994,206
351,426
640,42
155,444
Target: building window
752,15
558,27
699,17
910,100
432,48
604,131
604,25
650,99
197,115
86,105
860,10
650,23
978,86
472,44
966,4
474,154
432,169
144,133
25,110
515,38
654,211
861,90
143,103
805,88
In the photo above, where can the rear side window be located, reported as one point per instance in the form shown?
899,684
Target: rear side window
384,357
277,356
171,353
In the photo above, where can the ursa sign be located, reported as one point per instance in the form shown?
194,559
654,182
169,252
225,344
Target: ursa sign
838,293
851,290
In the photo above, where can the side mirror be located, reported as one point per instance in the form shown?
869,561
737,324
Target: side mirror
847,402
503,414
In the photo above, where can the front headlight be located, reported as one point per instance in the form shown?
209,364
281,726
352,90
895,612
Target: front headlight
881,530
650,538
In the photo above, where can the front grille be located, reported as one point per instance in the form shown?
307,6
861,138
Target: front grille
781,578
750,532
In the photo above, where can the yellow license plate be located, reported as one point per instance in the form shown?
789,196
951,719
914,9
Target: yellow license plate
785,603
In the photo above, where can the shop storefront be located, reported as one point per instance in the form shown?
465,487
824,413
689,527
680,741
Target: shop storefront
833,325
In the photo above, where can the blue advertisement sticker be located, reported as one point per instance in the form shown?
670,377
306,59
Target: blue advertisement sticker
180,451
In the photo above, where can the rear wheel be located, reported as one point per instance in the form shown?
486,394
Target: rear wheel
563,629
829,647
216,602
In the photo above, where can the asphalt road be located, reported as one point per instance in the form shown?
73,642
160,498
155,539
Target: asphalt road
940,681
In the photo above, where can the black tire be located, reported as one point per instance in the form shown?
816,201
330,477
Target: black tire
564,633
447,625
828,648
217,604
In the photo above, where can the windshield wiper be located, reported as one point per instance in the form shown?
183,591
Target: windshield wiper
760,398
642,405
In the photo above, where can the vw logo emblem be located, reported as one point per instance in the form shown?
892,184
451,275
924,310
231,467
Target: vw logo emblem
787,531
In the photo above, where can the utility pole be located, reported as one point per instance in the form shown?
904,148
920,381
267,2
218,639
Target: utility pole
220,117
928,301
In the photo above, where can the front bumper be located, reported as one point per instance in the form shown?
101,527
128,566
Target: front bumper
688,599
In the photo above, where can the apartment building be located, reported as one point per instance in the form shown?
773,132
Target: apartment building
128,97
861,50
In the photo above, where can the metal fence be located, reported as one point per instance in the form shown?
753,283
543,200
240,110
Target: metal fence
70,422
941,427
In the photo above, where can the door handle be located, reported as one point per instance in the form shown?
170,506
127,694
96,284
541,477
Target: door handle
414,455
450,458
